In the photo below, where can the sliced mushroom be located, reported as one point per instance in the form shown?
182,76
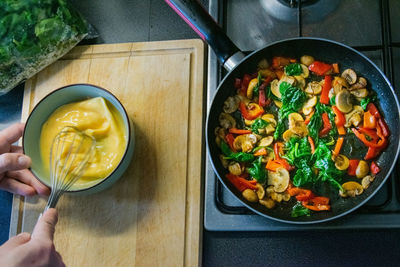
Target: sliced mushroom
289,79
263,64
278,103
269,118
266,141
362,169
231,104
301,82
268,203
340,81
341,162
297,124
267,73
289,134
343,101
224,161
235,168
220,132
354,117
248,122
260,191
360,93
279,179
313,88
305,70
361,83
331,93
269,129
367,180
245,142
285,196
306,60
293,118
250,195
351,189
309,105
350,76
275,88
277,197
252,84
226,121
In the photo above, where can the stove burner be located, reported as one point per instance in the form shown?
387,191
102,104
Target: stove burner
286,10
294,3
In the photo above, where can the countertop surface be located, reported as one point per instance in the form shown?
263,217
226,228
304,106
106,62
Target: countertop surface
133,21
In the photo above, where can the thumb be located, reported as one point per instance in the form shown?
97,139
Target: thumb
45,227
16,241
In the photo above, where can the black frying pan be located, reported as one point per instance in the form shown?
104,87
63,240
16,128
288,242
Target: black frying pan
325,50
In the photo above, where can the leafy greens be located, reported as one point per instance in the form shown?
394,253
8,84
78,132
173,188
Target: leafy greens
238,156
293,69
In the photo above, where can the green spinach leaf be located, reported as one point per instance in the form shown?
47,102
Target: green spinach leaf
300,210
293,69
369,99
258,124
258,172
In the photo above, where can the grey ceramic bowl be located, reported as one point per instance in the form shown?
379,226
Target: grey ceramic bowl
57,98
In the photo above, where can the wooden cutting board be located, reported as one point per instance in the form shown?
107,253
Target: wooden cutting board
153,215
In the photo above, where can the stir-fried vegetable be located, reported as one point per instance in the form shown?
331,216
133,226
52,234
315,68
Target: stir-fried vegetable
290,128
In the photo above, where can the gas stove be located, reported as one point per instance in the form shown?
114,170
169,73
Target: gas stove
369,26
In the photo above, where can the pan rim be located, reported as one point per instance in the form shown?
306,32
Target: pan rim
372,64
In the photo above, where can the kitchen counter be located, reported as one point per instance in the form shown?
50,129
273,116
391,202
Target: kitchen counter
133,21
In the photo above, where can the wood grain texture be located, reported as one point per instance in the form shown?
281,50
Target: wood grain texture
153,215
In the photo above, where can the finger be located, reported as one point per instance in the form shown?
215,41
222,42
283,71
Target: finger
26,177
10,135
45,227
16,149
16,187
13,162
16,241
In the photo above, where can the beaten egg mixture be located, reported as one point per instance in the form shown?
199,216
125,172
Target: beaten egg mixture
96,118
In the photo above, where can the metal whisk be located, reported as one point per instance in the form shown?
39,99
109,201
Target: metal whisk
70,153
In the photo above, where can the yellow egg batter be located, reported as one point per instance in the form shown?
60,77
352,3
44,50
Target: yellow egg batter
96,118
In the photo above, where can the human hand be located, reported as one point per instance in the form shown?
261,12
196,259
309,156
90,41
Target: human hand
14,175
36,250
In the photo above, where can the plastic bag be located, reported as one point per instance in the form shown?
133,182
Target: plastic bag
33,34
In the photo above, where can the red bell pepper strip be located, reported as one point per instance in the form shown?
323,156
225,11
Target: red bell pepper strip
277,151
294,191
245,83
380,144
229,138
238,83
261,152
372,153
305,196
335,67
239,131
324,99
373,110
262,99
338,146
373,135
327,125
353,163
339,117
273,165
374,168
252,113
369,121
320,68
384,127
280,62
308,117
312,145
240,183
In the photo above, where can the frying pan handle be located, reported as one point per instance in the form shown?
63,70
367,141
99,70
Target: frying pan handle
194,14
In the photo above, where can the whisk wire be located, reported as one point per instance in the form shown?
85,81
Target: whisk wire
65,171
